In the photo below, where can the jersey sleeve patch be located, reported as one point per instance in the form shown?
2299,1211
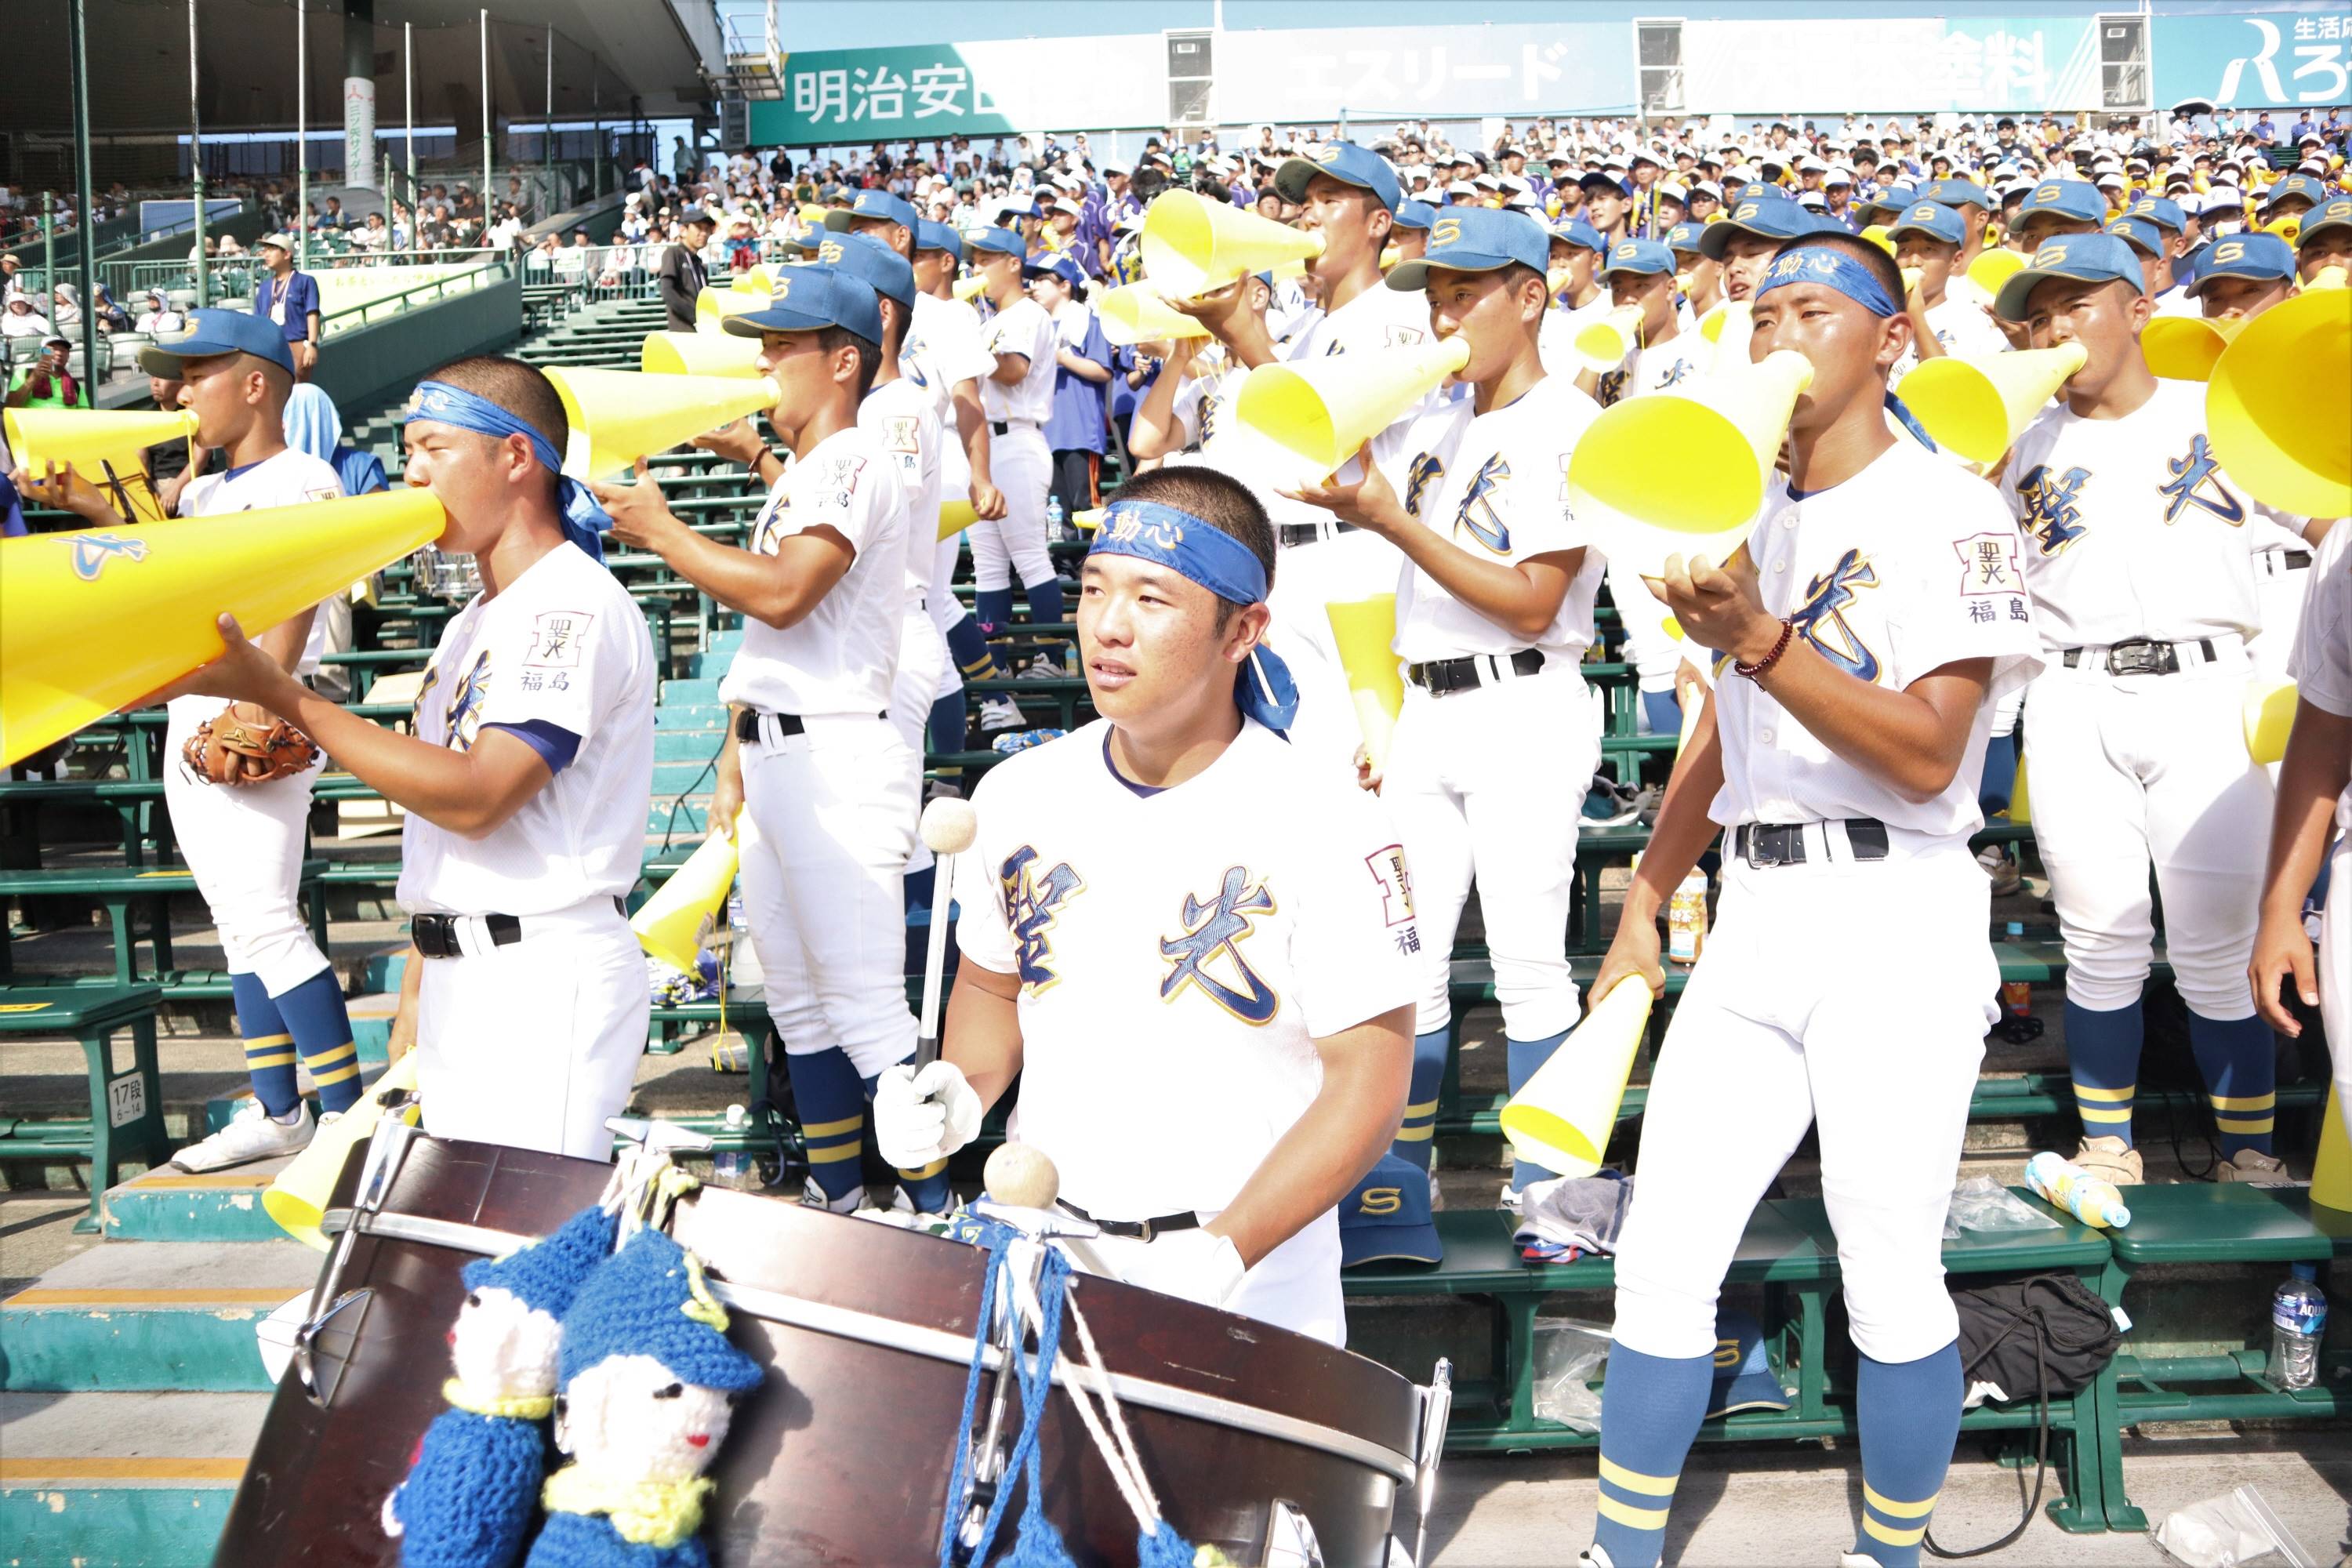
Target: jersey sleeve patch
556,639
1395,883
1988,565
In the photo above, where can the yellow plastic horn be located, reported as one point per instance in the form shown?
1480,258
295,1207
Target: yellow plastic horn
2278,406
2329,277
2184,348
1976,406
92,620
674,924
1320,411
298,1199
80,439
1876,234
1718,437
2331,1172
1138,313
699,353
1562,1117
968,288
1390,256
1192,245
2270,719
2021,802
1993,268
1365,631
2288,228
620,415
713,305
1602,345
955,516
1910,279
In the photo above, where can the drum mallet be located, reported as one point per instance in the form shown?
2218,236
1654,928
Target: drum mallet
948,826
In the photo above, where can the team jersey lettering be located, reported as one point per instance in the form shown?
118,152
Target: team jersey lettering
1612,388
1031,906
1425,470
1822,622
1219,928
2199,469
2053,512
768,533
463,721
1477,512
1676,376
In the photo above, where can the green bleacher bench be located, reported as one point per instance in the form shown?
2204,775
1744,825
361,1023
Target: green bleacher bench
126,1104
123,889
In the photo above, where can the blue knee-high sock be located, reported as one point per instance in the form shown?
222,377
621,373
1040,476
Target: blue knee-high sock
2238,1059
269,1047
1524,1058
993,607
1650,1410
321,1027
945,728
1664,711
970,651
926,1187
2103,1054
1910,1416
830,1100
1414,1137
1044,599
1999,779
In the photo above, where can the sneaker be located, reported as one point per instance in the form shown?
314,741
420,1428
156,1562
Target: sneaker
2252,1165
2112,1161
812,1197
251,1134
940,789
1856,1560
1436,1194
1997,864
1043,666
1593,1556
998,713
1609,804
902,1202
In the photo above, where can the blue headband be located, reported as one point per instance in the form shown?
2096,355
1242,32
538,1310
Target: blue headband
583,521
1836,270
1224,566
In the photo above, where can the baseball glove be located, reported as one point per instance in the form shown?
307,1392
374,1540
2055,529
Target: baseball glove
234,750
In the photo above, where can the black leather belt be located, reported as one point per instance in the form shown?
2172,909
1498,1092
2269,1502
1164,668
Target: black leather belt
1294,533
2296,560
1439,676
1001,427
1137,1229
1764,844
747,724
2140,655
436,934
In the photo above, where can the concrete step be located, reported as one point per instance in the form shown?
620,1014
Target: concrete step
121,1480
149,1315
169,1205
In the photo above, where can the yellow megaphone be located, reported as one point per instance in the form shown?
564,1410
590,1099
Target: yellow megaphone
698,354
1138,314
2288,228
1729,327
104,448
2278,406
2329,277
1876,234
1562,1117
1910,279
677,920
92,620
620,415
1719,438
1193,244
968,288
1390,256
1602,345
955,516
1365,631
1976,406
2331,1172
1993,268
298,1199
713,305
2270,719
2184,348
1320,411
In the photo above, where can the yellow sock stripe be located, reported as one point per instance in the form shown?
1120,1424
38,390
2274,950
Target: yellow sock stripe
834,1156
1426,1108
2116,1118
282,1059
1632,1517
342,1053
263,1042
1420,1134
1894,1509
1892,1536
925,1173
2244,1126
334,1075
2123,1095
846,1125
2243,1102
1617,1475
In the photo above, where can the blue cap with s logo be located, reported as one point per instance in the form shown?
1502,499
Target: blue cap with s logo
2262,257
2084,257
1769,216
1476,239
1344,161
1386,1217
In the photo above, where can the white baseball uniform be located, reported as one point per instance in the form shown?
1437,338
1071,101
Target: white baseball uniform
942,349
833,799
1018,458
1900,571
1180,953
2322,668
1961,327
535,1042
244,843
1556,339
1674,365
2133,535
2282,559
899,414
1474,777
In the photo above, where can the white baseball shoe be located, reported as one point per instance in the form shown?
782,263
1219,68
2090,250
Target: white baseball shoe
1593,1557
1000,713
2108,1157
812,1197
2253,1165
251,1134
1856,1560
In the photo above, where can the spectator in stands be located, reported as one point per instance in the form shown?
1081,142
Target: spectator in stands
44,383
314,425
334,217
111,317
370,238
521,201
65,309
170,464
159,317
571,261
1082,357
682,273
20,320
9,282
290,299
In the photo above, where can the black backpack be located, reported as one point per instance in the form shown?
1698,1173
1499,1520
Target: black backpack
2049,1334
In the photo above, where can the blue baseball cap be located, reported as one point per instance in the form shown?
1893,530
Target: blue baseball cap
2077,199
2337,214
1933,219
811,298
1575,231
1642,257
1744,1378
1684,235
1053,264
2260,255
1770,216
1476,239
930,236
1386,1217
213,331
2161,211
1002,241
1344,161
2138,233
889,274
2084,257
2304,185
1957,192
1415,215
875,205
1890,199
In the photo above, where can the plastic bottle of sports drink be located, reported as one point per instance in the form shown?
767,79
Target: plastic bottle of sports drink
1687,918
2065,1186
2298,1319
735,1167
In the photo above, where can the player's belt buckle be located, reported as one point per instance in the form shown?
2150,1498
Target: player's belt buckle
435,935
2142,656
1767,845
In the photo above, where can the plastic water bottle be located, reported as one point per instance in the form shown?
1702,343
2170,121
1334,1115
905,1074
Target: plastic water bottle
2298,1319
1687,918
735,1167
1052,517
2064,1184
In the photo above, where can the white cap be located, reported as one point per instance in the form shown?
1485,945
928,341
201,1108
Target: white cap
1811,165
1672,188
2223,199
1463,191
1708,188
1839,174
1741,172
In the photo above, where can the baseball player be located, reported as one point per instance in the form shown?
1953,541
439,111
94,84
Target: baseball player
2325,240
526,781
1149,943
1410,229
1874,611
1493,612
1016,395
2165,278
1190,403
2056,207
1930,237
1747,237
811,753
2136,550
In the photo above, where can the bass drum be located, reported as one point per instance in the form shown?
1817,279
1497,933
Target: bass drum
843,1457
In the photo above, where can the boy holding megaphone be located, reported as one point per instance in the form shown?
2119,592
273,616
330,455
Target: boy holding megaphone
1861,633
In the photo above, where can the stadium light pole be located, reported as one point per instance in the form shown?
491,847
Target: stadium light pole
196,163
301,136
546,130
486,113
84,225
408,88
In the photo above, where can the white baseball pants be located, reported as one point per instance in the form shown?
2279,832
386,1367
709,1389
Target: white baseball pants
1307,577
824,886
2130,770
2278,595
1294,1287
1879,1044
534,1044
1479,784
244,843
1023,470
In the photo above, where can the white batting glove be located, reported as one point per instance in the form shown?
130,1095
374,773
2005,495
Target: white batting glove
919,1117
1192,1264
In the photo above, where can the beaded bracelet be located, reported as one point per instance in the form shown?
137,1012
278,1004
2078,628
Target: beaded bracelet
1755,672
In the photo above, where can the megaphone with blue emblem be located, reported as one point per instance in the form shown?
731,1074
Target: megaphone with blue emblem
1193,244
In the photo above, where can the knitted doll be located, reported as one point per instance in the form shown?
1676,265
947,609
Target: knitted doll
475,1481
649,1383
